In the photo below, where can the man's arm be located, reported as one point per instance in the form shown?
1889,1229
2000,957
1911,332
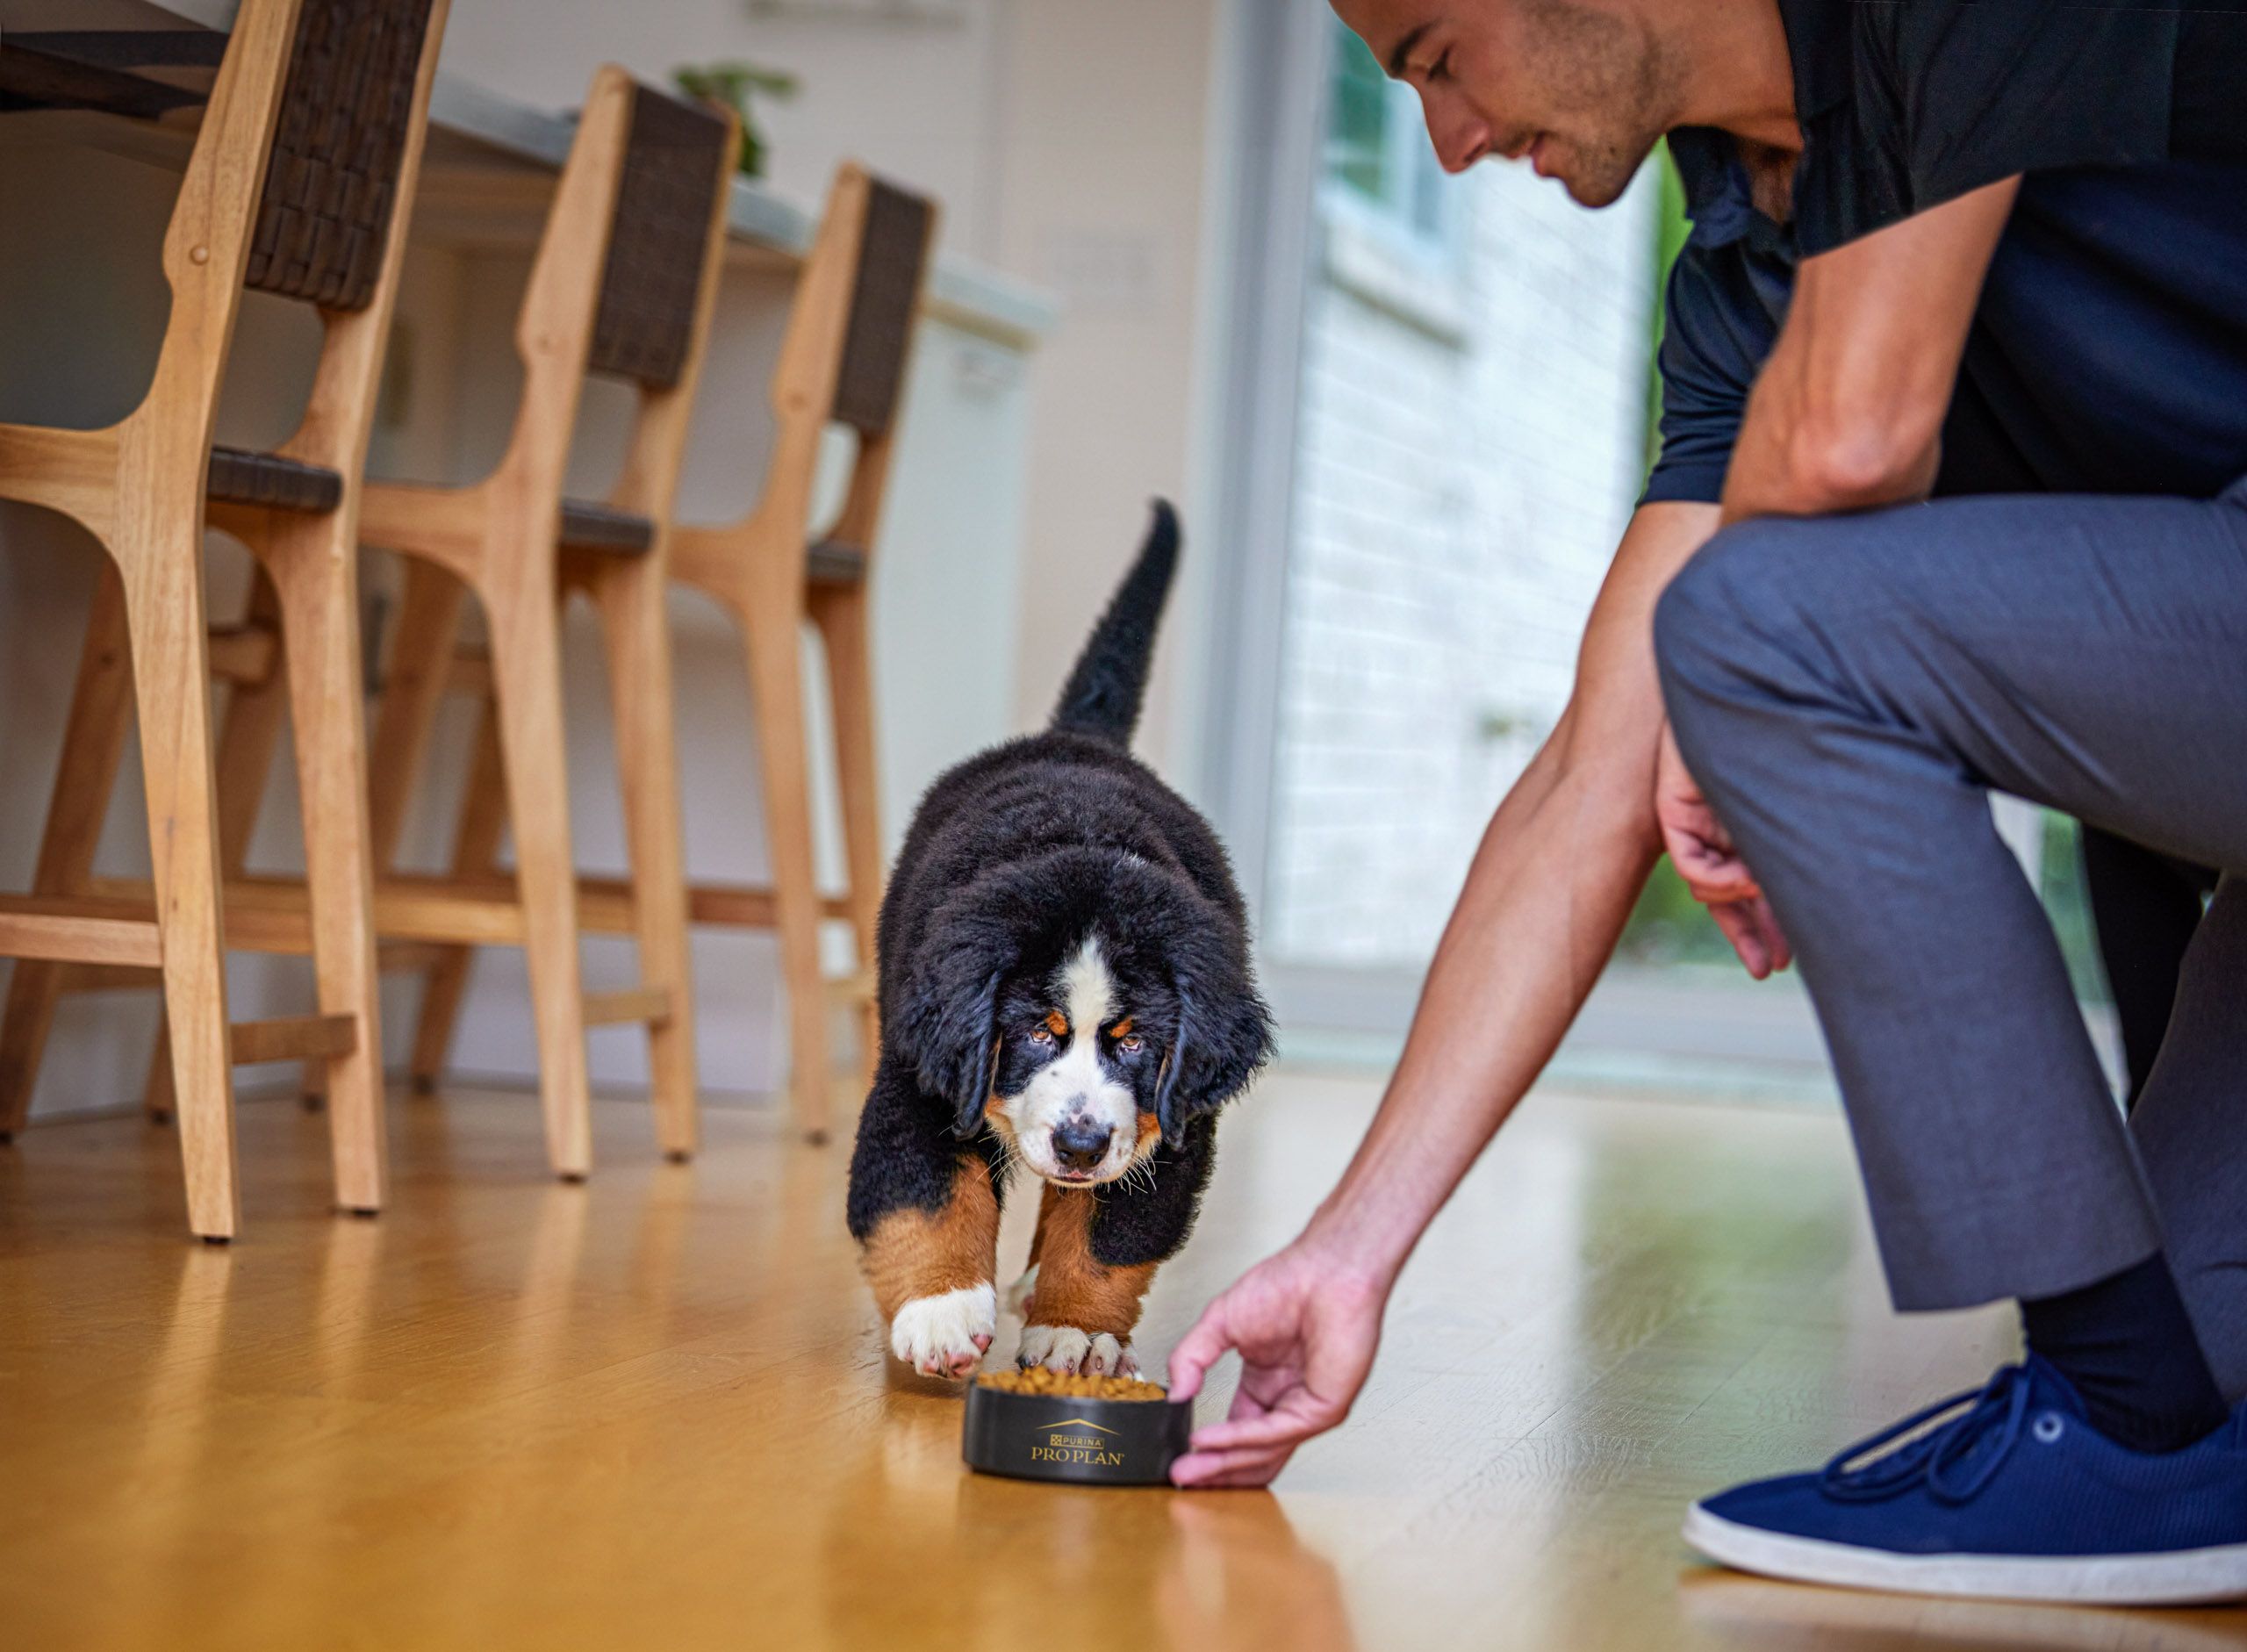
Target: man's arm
1846,415
1848,412
1554,880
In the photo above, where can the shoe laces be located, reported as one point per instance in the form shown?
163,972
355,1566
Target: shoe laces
1953,1462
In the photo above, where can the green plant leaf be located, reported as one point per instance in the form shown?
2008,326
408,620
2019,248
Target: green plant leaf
734,84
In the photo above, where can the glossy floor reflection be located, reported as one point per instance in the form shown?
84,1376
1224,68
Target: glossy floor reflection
654,1411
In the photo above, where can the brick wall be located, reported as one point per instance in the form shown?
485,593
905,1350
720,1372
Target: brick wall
1472,434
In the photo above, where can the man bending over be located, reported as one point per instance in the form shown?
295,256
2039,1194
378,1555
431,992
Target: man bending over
1952,497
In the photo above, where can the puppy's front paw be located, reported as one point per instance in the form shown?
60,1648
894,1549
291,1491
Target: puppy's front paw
1066,1350
945,1335
1022,1290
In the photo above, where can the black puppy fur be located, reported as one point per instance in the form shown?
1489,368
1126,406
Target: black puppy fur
1014,859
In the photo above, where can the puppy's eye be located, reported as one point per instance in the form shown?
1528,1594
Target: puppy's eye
1041,1035
1131,1044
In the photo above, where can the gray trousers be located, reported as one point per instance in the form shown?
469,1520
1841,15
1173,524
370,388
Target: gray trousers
1848,690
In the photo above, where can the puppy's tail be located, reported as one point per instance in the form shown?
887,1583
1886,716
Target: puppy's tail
1104,691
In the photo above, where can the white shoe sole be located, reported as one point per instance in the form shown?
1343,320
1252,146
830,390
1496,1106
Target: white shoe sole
2182,1577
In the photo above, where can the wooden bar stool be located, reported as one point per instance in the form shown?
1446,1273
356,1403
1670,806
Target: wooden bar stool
850,332
328,108
624,284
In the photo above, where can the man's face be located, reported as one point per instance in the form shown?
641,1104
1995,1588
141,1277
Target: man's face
1583,88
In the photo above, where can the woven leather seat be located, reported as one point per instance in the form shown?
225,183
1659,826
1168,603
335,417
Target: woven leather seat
266,478
831,561
589,527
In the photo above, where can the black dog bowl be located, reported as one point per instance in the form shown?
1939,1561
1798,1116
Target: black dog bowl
1083,1442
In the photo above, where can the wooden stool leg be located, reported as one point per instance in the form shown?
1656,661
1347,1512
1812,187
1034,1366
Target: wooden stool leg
476,848
841,614
774,629
93,744
318,596
249,729
171,672
638,633
423,639
527,682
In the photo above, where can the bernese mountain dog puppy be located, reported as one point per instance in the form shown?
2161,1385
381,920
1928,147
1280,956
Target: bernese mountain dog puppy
1065,986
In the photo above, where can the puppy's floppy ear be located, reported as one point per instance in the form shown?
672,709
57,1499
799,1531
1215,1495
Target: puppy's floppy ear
948,1026
1223,1037
1173,1064
970,1077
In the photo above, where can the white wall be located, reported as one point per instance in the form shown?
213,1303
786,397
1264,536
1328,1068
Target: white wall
922,102
1071,143
1108,180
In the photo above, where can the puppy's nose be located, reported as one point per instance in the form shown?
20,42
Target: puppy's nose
1080,1144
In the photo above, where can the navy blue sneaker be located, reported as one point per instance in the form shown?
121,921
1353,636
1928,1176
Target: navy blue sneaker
2014,1496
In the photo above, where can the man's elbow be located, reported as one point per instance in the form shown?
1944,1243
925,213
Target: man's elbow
1860,459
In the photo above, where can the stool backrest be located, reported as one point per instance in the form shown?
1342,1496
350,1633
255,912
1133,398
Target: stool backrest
338,143
885,292
673,161
844,360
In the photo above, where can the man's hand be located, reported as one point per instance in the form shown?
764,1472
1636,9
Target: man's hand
1702,850
1306,1326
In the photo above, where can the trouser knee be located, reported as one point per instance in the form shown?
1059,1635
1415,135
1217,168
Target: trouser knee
1732,639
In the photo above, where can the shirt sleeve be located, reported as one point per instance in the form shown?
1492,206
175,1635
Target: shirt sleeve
1951,95
1716,334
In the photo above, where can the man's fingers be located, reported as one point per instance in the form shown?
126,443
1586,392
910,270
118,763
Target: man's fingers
1739,926
1714,876
1198,1350
1243,1479
1251,1468
1266,1382
1753,929
1711,870
1775,938
1268,1428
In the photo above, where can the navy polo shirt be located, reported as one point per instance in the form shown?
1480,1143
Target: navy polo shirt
2108,353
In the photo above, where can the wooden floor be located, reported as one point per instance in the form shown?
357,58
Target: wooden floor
654,1411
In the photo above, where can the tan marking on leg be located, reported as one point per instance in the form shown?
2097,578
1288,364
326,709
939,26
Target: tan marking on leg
912,1254
1073,1288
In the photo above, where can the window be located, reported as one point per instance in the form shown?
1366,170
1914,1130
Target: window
1378,157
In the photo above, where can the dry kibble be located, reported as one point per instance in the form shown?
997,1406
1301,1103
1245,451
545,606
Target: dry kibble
1038,1379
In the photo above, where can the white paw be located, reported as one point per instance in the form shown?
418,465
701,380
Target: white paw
1018,1293
1066,1350
945,1335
